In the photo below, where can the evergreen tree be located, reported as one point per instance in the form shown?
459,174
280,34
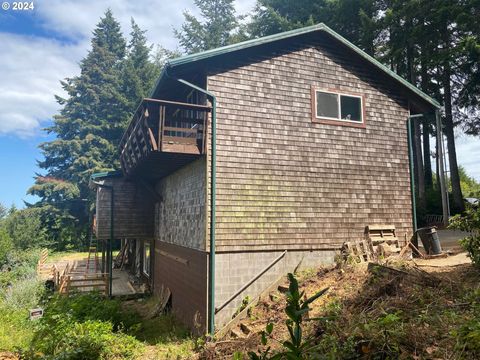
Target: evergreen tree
100,102
139,72
353,19
215,28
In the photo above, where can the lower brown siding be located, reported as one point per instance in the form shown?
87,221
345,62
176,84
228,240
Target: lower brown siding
184,272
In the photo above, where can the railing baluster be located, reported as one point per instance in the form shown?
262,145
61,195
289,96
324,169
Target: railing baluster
185,131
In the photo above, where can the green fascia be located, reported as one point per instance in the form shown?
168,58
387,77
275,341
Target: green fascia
106,174
189,59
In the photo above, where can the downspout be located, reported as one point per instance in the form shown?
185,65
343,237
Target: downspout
211,264
412,176
441,168
109,254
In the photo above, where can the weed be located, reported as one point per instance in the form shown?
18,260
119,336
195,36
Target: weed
245,301
297,347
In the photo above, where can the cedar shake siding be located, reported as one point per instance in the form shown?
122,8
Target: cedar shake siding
180,264
133,208
285,182
286,179
180,216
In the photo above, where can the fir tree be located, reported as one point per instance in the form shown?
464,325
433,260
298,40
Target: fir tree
90,124
216,28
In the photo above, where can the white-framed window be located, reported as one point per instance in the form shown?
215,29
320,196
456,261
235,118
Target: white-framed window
330,105
146,258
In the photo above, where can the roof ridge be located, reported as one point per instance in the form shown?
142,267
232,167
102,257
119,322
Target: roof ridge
187,59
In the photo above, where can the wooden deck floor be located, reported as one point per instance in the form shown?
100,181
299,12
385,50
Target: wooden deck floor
121,284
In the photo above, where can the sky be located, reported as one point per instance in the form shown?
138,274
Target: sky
40,47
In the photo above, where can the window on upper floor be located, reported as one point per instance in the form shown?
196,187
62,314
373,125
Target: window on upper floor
334,106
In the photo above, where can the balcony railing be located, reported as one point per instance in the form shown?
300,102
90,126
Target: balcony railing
163,127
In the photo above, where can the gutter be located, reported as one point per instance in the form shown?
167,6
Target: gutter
412,170
211,264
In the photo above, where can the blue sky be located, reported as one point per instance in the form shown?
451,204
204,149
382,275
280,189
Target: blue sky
39,48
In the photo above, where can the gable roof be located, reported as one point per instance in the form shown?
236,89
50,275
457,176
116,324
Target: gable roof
192,58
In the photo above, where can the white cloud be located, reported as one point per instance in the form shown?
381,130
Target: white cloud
31,66
468,154
30,70
76,19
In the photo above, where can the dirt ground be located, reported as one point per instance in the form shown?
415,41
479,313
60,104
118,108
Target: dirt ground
359,297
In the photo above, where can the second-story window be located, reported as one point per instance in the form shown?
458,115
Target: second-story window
338,106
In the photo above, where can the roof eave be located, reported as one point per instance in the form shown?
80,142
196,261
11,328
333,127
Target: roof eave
192,58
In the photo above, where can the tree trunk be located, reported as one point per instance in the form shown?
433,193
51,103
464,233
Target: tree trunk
458,204
417,141
426,154
426,123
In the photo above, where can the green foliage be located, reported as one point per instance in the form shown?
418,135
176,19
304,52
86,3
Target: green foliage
470,187
25,229
89,306
16,330
468,334
85,326
98,106
92,339
19,265
297,347
23,294
245,301
216,29
469,221
468,337
6,244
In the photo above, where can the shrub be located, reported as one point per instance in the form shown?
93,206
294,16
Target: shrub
91,339
18,265
6,245
469,221
90,306
85,326
23,294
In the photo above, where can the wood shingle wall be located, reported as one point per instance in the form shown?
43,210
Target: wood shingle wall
133,210
180,216
284,182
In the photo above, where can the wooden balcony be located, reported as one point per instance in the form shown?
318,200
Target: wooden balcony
162,137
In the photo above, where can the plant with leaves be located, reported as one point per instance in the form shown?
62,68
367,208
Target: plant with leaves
215,28
469,221
297,347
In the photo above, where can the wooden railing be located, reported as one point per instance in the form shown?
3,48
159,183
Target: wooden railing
163,126
44,270
84,283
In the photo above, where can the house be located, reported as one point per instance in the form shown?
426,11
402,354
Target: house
255,158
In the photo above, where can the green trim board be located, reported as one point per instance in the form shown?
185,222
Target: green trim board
192,58
106,174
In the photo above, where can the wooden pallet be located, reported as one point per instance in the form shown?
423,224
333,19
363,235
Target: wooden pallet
383,237
360,251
